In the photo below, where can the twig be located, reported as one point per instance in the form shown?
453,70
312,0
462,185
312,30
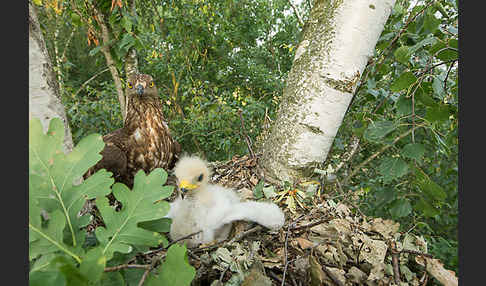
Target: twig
359,252
222,273
293,279
247,139
286,254
332,276
173,242
245,233
123,266
144,276
416,253
395,255
147,271
275,276
311,224
286,245
297,14
383,149
226,242
185,237
349,153
447,75
90,79
347,199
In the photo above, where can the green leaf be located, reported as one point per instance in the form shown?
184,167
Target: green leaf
269,192
94,51
392,168
403,106
400,208
431,189
175,270
448,55
112,279
93,264
258,190
68,268
402,54
431,23
429,40
384,196
158,225
42,263
127,42
43,278
413,151
437,113
426,208
403,82
127,24
49,239
423,94
52,174
143,203
377,130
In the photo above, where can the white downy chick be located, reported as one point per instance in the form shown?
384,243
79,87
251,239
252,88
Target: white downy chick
212,208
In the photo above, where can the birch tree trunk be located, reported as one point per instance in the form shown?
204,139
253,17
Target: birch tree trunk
338,39
44,101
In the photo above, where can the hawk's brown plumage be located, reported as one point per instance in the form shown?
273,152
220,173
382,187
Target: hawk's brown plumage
145,141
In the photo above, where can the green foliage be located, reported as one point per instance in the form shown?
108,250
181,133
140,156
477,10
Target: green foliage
57,252
138,205
212,58
414,84
209,58
175,270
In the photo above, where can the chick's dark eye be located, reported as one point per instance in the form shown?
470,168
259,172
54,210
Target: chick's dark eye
200,178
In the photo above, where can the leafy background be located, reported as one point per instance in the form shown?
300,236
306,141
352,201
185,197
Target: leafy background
211,58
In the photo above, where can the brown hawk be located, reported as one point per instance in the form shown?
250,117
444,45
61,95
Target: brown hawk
145,141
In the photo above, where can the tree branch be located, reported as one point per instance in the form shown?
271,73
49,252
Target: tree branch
110,62
297,14
383,149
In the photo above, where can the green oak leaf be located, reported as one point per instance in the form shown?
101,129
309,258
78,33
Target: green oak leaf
49,239
53,175
143,203
175,270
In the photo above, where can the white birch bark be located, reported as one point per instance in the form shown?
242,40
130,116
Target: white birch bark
44,102
337,42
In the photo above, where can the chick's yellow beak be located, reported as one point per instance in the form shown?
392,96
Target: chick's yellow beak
185,185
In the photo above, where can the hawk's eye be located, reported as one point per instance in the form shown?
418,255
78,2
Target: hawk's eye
199,179
130,85
151,84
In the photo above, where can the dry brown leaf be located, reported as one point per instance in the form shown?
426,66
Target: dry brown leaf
384,227
304,243
437,270
355,275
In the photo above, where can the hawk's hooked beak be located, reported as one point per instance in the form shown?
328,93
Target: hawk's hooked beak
139,89
185,186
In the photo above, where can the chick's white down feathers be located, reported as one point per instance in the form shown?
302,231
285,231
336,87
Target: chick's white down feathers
211,208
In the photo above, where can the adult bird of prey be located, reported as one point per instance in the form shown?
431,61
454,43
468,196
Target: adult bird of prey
144,142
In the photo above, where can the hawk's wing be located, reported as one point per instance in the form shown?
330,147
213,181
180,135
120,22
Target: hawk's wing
114,157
